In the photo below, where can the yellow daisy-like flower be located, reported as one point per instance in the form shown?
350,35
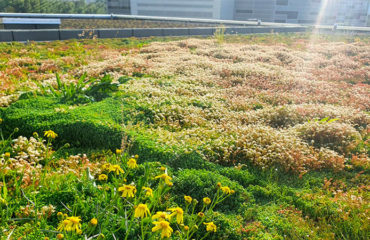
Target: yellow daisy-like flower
63,226
163,169
188,199
116,168
127,190
179,213
161,216
165,228
102,177
70,224
131,163
60,236
7,154
148,191
118,151
200,214
211,227
136,156
105,166
141,211
207,200
167,179
50,134
94,222
74,223
226,190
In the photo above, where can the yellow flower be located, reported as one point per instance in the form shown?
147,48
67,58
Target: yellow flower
46,238
163,169
127,190
141,211
200,214
188,199
207,200
136,156
167,179
179,213
1,120
132,163
232,192
118,151
60,236
148,191
50,134
64,226
7,154
116,168
106,166
211,227
161,216
165,228
226,190
74,223
186,228
103,177
218,184
70,224
94,222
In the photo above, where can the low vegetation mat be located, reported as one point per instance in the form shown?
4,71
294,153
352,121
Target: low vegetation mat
231,137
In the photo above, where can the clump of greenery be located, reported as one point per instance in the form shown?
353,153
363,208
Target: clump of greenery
83,91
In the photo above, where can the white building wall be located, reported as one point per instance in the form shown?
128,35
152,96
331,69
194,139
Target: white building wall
346,12
211,9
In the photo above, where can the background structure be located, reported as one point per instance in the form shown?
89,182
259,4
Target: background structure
342,12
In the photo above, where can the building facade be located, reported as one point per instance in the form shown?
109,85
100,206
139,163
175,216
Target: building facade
210,9
119,6
342,12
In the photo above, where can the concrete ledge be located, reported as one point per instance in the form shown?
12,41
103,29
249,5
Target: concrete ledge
262,30
56,34
202,31
147,32
78,34
175,32
115,33
70,34
35,35
238,30
6,36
